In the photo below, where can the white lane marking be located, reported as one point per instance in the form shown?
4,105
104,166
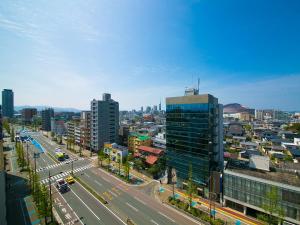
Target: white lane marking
71,208
98,183
103,205
140,200
154,222
114,194
43,159
135,209
85,205
87,175
166,217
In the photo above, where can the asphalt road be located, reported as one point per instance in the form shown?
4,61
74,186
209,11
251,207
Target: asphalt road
131,202
125,201
84,208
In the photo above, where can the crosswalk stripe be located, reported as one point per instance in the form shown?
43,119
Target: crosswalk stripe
64,174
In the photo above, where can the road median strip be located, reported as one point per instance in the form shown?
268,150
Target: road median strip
94,193
53,158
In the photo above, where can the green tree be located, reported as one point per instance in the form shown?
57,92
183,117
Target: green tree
119,160
101,157
6,126
127,168
109,160
191,187
12,134
20,155
288,158
272,205
295,127
45,206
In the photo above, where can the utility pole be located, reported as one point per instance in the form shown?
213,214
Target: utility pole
34,156
50,195
72,167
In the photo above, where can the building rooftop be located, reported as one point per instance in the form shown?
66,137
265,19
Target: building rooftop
151,159
155,151
242,167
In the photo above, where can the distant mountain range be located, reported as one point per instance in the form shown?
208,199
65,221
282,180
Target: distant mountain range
236,108
41,107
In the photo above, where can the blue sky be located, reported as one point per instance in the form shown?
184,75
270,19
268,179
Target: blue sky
65,53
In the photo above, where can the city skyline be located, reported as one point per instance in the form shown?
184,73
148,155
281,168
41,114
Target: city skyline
66,59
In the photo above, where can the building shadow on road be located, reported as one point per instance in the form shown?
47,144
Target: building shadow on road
19,211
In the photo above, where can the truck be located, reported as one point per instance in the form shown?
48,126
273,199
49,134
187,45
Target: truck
62,185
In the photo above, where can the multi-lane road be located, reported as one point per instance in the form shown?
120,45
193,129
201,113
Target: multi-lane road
79,206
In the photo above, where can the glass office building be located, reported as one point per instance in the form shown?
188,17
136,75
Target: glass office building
194,134
246,190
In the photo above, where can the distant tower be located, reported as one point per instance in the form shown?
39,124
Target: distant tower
159,106
8,103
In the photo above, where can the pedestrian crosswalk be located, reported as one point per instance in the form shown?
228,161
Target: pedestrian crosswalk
64,174
59,164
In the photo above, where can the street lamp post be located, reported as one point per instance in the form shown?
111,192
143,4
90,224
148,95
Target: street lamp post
72,167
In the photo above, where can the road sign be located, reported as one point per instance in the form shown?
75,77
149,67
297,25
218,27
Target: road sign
213,212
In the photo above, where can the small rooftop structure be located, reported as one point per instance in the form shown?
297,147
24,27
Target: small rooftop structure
259,162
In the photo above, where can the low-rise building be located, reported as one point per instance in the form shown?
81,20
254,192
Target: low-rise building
249,145
115,152
150,154
246,189
135,140
159,141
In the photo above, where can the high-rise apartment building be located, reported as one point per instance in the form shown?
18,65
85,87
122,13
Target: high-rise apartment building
85,121
8,103
104,121
47,114
194,134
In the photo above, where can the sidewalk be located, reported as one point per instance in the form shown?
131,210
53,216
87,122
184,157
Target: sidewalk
163,191
225,213
20,206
